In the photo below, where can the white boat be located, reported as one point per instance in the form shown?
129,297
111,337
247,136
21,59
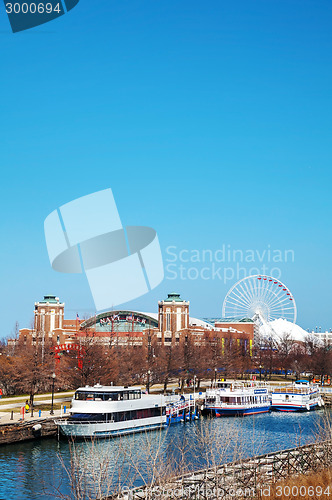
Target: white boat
236,399
299,396
103,411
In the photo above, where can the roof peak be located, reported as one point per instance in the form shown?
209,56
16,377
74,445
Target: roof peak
50,298
173,297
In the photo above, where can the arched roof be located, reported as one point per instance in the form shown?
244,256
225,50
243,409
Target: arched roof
149,319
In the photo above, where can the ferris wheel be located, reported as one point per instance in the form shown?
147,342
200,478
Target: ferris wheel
261,298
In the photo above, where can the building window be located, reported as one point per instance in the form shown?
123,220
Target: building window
52,322
178,318
42,320
168,321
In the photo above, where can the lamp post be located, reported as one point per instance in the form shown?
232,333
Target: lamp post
53,377
31,402
260,373
148,382
194,391
149,345
215,376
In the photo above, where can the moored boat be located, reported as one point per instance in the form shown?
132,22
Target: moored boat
236,399
104,411
299,396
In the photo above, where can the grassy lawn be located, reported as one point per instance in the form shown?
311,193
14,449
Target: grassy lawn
27,396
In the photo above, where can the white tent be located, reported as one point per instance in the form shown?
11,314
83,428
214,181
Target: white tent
279,327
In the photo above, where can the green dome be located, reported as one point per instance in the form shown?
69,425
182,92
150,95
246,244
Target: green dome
173,297
52,299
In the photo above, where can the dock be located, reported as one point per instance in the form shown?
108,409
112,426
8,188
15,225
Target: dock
326,393
14,429
27,430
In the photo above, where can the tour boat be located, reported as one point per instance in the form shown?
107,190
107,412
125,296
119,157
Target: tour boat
300,396
104,411
236,399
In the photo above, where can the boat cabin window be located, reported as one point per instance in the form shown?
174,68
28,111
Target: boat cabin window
224,385
225,399
211,400
134,394
120,416
110,396
107,396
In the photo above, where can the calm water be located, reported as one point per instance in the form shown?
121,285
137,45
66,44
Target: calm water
38,469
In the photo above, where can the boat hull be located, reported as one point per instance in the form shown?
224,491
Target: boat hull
106,430
292,407
237,411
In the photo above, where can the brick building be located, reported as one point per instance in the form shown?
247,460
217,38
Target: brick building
49,314
125,327
173,313
49,324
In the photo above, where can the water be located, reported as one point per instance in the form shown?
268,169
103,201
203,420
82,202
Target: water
39,469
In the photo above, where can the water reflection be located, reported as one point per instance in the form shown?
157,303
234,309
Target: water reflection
48,469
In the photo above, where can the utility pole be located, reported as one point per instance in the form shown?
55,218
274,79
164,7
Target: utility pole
149,358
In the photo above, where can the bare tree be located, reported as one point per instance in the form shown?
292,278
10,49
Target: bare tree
286,344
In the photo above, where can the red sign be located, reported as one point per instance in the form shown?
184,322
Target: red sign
69,347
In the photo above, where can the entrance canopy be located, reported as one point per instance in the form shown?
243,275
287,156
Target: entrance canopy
120,321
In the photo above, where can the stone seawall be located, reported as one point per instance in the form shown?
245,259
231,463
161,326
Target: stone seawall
25,431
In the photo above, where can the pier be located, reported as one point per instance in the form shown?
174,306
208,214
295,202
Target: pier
17,426
326,393
327,398
14,428
241,478
27,430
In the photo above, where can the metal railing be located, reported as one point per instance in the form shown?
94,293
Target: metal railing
250,474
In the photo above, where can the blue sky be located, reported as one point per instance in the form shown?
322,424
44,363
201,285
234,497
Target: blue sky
210,121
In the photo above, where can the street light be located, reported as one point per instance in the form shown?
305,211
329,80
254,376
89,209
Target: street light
260,373
53,377
215,375
31,404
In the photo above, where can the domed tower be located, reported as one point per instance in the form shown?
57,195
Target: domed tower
173,313
48,315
